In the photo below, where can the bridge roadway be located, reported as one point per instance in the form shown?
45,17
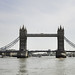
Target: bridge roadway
33,51
47,51
42,35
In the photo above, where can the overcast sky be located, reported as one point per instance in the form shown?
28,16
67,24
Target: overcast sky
38,16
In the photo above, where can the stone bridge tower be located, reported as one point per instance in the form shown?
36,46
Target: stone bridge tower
23,53
23,39
60,51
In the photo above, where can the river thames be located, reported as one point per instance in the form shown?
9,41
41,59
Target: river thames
46,65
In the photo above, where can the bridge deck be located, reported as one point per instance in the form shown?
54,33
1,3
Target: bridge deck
34,51
42,35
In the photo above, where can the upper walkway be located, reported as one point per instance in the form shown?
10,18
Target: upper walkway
42,35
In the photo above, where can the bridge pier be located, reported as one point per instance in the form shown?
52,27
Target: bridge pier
60,53
23,53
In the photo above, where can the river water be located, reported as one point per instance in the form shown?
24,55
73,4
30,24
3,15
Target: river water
47,65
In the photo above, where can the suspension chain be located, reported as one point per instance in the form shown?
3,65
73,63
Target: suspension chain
69,42
10,44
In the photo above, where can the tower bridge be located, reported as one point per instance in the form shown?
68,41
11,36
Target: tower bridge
23,52
59,35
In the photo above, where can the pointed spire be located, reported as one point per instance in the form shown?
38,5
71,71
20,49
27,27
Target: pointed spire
25,30
23,27
60,27
63,28
20,27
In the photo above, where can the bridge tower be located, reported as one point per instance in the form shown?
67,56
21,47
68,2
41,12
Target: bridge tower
60,51
23,43
23,39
